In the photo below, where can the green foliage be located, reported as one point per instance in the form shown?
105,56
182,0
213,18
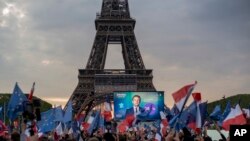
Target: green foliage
243,98
4,98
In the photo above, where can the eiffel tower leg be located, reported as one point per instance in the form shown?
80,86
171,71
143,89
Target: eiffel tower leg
132,56
98,53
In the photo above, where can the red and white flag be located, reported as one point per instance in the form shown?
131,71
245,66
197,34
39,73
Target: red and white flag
235,117
181,96
107,111
31,92
164,124
86,125
197,97
123,127
126,123
247,112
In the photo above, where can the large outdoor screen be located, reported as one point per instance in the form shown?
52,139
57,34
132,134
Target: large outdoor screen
149,104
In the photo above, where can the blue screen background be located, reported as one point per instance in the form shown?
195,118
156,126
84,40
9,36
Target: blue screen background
123,101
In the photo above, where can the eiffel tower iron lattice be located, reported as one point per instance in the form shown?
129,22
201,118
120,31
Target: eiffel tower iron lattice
113,26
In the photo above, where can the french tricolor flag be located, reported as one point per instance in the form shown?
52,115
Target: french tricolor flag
125,124
197,99
197,116
235,117
246,112
164,124
181,96
86,125
123,127
107,111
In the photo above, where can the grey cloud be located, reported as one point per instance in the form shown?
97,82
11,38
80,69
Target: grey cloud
57,14
182,41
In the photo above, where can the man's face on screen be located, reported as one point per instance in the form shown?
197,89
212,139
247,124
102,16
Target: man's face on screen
136,101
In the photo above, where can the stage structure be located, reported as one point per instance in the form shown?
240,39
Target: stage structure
114,25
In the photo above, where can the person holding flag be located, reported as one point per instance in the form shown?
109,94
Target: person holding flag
107,110
31,92
181,97
16,102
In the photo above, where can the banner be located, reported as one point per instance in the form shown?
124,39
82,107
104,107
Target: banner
149,104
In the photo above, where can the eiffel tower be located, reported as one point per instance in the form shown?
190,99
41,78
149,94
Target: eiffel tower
113,26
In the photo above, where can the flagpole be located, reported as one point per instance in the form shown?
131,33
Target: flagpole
20,122
189,93
4,113
187,99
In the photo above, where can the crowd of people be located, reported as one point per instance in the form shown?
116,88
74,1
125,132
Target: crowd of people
181,123
132,134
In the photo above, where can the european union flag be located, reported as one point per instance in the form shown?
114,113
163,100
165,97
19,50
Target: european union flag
176,123
47,122
58,113
68,112
225,113
75,126
15,104
216,114
203,112
227,110
180,121
174,111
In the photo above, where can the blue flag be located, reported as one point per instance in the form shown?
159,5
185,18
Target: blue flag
157,125
174,111
225,113
47,122
180,121
94,123
216,114
227,110
169,114
16,103
101,124
58,113
75,125
1,113
203,112
68,112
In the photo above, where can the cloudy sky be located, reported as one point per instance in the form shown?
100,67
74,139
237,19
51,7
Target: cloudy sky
47,41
